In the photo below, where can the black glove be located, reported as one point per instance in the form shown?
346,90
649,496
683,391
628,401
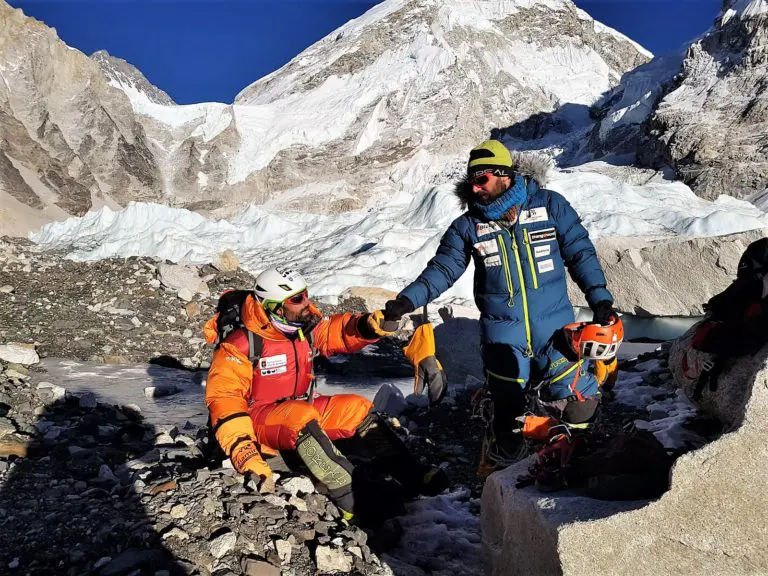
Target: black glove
603,312
394,309
431,375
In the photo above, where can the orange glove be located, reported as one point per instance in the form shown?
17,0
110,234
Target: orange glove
537,427
380,326
246,458
606,372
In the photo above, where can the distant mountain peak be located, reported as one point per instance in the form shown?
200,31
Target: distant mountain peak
745,8
127,77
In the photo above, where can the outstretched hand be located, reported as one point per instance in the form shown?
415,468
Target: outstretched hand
380,326
395,309
603,312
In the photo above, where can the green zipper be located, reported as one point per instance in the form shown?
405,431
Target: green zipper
530,259
564,374
507,271
506,378
529,349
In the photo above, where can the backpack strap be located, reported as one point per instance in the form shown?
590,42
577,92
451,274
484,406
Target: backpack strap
248,343
255,347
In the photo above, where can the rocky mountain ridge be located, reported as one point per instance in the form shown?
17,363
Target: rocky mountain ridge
128,78
70,141
390,100
702,111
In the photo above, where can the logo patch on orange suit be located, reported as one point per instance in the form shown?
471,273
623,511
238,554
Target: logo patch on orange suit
273,371
276,361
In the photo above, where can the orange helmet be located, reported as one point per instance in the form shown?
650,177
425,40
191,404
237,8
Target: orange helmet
594,341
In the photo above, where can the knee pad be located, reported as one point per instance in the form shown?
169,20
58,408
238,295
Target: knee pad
322,458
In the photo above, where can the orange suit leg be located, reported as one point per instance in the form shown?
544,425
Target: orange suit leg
277,425
340,415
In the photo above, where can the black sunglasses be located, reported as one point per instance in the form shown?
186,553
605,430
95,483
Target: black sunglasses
481,180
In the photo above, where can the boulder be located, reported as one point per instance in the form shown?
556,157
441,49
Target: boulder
226,262
23,354
711,521
374,298
668,278
184,280
332,560
14,445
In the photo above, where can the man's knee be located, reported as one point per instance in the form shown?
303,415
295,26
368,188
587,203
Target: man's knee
344,414
578,412
282,427
298,414
506,371
352,404
500,359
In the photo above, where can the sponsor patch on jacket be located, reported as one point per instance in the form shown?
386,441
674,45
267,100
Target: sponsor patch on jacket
487,247
273,371
234,359
485,228
546,235
492,261
273,361
545,265
541,251
534,215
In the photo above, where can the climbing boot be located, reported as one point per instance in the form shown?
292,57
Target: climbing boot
392,456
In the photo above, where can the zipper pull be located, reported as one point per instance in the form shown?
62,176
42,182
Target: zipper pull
529,352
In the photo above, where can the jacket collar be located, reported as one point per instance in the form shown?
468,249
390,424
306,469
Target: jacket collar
534,166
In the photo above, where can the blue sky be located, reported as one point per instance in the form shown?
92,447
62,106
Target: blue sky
208,50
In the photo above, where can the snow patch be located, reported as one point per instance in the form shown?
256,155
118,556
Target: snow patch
387,246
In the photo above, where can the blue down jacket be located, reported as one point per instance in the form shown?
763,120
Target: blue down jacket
519,284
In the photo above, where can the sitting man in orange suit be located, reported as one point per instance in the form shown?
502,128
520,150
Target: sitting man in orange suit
261,398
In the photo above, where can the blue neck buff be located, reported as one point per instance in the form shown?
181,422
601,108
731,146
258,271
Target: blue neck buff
513,196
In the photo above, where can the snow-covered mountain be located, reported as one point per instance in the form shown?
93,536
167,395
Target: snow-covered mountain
69,141
702,110
389,102
129,79
697,114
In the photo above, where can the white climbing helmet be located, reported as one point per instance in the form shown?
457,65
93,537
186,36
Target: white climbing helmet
275,285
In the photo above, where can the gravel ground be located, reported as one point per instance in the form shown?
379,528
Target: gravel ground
90,488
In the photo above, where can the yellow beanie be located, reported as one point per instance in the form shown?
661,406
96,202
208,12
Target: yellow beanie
490,156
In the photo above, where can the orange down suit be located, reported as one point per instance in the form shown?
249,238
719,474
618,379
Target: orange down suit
263,403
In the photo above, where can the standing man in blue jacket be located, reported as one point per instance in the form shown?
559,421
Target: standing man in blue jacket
521,237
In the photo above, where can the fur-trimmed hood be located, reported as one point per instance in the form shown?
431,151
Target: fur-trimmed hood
530,164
